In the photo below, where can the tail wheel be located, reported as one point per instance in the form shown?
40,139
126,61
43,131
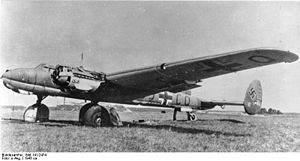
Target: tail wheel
191,116
97,116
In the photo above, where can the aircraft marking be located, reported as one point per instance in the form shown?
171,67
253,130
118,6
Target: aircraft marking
75,81
261,59
252,93
165,98
187,100
215,67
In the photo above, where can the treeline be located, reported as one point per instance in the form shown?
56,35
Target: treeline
13,107
269,111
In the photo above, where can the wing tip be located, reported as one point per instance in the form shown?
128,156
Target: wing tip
291,57
287,56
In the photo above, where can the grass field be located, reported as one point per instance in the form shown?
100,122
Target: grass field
210,133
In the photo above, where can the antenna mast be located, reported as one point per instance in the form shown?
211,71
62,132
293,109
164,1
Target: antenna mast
81,60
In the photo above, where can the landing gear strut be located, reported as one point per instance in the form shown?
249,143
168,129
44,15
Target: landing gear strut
175,113
37,112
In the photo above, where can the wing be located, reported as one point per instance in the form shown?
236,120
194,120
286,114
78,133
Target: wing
183,75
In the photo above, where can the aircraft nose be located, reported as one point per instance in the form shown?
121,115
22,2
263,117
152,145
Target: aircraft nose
13,74
6,74
6,78
26,75
21,75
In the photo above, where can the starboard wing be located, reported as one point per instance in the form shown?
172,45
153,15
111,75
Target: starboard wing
183,75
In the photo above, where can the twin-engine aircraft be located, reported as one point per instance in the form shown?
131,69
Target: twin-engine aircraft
166,84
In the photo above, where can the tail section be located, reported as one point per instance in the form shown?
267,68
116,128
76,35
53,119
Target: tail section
253,98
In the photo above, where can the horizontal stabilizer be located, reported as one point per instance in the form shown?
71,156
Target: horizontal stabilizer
252,102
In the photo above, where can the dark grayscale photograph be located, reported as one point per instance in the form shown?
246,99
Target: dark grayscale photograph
130,76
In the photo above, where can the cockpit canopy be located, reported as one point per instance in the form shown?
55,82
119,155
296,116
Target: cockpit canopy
45,67
77,71
76,79
80,72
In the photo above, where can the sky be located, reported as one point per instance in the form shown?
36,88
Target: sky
116,36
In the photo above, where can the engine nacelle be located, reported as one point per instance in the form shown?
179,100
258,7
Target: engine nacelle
77,79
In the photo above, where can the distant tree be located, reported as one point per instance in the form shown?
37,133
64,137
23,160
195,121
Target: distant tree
274,111
262,111
269,111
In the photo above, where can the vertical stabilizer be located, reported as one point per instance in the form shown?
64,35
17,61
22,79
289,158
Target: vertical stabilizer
253,98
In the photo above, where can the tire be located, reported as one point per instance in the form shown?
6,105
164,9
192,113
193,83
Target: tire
191,116
82,112
42,113
97,116
36,113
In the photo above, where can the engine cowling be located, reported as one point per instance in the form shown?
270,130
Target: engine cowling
77,79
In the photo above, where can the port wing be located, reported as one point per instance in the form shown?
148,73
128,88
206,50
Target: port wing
183,75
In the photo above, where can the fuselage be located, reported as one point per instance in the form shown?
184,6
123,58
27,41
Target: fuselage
46,80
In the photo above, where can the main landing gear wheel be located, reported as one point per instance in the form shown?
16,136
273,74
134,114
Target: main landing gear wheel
83,111
36,113
96,116
191,116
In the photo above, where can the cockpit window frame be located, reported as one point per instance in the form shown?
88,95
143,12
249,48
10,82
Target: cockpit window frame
45,67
